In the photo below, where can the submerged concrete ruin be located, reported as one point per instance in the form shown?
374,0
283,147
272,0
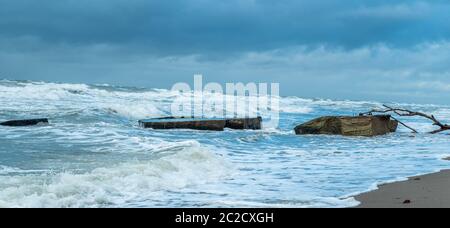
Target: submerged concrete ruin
24,123
202,124
349,126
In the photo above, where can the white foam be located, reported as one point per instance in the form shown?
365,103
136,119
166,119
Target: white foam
42,97
6,170
306,202
134,110
115,186
179,165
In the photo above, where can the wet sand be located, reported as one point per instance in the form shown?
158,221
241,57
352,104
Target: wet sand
427,191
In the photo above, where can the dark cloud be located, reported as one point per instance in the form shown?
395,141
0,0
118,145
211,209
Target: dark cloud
211,26
342,49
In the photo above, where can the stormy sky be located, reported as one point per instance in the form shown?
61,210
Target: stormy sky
384,50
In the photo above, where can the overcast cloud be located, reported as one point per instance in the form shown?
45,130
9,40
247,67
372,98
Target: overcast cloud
348,49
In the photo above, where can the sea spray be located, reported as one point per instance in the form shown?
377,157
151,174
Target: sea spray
93,154
114,186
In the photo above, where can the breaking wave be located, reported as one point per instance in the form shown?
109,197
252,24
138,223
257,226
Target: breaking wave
48,98
93,154
113,186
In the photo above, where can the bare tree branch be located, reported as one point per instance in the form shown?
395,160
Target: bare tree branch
406,112
410,128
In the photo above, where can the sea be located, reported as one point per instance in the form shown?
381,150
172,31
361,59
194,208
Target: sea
94,154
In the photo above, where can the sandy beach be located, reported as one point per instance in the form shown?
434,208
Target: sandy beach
427,191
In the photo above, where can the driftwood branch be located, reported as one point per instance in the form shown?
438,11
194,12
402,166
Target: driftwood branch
406,112
410,128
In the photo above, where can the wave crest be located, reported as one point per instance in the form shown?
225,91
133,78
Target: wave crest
115,186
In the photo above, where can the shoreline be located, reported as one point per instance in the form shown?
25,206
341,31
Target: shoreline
424,191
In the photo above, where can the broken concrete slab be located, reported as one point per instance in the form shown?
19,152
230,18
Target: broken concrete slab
349,126
183,123
202,124
244,123
24,123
